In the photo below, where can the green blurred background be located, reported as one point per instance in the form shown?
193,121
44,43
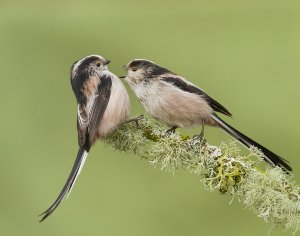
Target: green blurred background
245,54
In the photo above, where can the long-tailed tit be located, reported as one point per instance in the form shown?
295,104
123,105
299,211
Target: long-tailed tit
102,105
176,102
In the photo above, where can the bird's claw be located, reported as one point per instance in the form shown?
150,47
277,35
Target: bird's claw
171,131
135,119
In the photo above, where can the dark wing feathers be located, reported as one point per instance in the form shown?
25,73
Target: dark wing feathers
99,106
181,84
81,133
89,121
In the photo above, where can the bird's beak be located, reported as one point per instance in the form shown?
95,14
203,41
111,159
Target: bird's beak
124,76
107,62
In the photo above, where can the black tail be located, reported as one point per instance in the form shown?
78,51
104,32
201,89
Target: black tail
270,157
79,162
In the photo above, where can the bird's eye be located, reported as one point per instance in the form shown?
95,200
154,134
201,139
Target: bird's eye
134,69
98,64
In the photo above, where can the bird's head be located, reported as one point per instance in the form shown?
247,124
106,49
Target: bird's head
85,75
89,66
139,70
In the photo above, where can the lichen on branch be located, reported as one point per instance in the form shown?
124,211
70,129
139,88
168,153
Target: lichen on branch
270,193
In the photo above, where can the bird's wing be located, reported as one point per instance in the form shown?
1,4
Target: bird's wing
82,123
99,105
190,88
90,116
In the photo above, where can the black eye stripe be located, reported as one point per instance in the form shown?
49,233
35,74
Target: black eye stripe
151,68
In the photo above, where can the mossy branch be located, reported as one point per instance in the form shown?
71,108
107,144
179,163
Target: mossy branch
270,193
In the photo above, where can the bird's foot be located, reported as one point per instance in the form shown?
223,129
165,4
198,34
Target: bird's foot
200,137
135,119
172,130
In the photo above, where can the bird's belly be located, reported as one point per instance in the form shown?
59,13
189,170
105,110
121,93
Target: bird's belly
117,110
180,111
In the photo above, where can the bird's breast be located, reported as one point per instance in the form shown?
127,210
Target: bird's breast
117,110
173,106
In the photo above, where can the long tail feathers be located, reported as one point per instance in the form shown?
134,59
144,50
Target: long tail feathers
79,162
270,157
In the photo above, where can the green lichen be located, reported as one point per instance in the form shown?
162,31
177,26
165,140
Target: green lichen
270,193
273,196
129,138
